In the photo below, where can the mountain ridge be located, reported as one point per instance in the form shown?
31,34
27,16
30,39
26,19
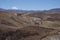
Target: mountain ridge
13,10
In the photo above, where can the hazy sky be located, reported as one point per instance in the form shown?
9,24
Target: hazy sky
30,4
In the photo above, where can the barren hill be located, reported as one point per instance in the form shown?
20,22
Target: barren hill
29,26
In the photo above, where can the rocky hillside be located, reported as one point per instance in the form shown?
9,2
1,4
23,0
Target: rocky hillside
29,26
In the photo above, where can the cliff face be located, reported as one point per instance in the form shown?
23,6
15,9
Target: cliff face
29,26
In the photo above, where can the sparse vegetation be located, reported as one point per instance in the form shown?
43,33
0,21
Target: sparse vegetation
31,26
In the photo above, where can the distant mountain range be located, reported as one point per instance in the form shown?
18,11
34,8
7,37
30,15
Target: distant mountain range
13,10
54,10
1,9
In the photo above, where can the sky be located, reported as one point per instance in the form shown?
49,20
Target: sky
30,4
